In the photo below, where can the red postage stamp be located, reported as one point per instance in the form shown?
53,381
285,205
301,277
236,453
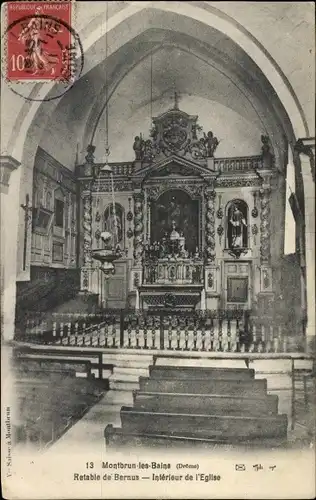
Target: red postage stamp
39,40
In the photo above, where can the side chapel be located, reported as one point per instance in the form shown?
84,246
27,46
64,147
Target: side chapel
194,229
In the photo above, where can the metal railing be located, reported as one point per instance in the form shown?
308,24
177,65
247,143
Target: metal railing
164,329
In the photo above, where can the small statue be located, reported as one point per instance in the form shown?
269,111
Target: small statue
266,151
90,153
197,253
211,143
265,145
138,148
148,152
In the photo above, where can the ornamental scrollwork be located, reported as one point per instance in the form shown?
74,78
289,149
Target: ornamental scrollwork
265,225
238,182
195,190
210,197
138,227
87,228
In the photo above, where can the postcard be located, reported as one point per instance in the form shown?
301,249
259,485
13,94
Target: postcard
157,249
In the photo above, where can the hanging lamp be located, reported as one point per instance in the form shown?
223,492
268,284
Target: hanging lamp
111,251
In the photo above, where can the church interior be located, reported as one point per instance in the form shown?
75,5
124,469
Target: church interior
157,233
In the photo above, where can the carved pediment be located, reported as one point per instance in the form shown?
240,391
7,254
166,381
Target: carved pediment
175,133
173,166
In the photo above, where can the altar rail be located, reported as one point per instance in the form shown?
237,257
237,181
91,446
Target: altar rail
173,271
170,329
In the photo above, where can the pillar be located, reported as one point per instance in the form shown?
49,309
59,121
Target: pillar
306,150
10,188
87,237
138,228
210,196
265,251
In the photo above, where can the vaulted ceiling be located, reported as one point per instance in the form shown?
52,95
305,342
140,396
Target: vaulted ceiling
215,77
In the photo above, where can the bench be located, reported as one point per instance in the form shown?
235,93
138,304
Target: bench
204,426
246,388
117,438
44,361
191,372
205,403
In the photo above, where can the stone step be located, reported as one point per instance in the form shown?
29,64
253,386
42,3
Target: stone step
125,359
204,426
131,377
246,388
191,372
205,404
137,372
121,385
118,398
129,363
58,357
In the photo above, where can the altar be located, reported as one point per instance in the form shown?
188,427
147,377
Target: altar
194,230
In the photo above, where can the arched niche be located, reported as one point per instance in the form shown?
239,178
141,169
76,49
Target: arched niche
237,231
113,219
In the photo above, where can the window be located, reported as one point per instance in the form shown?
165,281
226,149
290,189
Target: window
59,213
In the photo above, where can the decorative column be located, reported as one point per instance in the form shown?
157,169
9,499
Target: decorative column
306,150
136,276
210,270
265,252
138,227
87,237
210,196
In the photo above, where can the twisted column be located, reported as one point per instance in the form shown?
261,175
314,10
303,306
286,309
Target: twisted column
265,224
210,196
87,227
138,227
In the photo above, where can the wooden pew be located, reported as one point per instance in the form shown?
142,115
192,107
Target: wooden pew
203,426
200,372
246,388
49,402
65,354
205,404
117,438
44,362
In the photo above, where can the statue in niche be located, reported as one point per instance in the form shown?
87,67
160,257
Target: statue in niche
237,225
211,143
113,223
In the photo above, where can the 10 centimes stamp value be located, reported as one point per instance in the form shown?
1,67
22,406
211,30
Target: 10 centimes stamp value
41,46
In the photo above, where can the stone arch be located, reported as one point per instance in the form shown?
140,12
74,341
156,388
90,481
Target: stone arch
33,115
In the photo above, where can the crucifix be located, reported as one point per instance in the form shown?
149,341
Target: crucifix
176,100
27,217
